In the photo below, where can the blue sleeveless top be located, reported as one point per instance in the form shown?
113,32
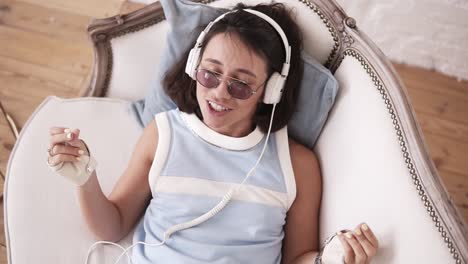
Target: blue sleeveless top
193,168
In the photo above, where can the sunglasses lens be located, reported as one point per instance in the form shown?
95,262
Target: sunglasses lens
207,79
237,89
240,90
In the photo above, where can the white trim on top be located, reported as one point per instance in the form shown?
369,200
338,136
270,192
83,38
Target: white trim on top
201,130
162,150
282,146
204,187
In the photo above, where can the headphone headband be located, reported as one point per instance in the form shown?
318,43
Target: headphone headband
287,48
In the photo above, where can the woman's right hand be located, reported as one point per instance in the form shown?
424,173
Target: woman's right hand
65,145
68,155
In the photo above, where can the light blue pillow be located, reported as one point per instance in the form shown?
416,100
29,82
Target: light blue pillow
318,88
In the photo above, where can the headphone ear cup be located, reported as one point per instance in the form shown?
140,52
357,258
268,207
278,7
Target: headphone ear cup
192,61
274,89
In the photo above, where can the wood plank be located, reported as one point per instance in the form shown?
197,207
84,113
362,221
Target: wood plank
457,186
50,22
21,94
25,86
2,236
419,79
447,154
98,9
3,253
7,141
23,70
441,105
36,48
21,108
443,127
128,7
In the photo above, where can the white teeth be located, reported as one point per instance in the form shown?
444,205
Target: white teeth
217,107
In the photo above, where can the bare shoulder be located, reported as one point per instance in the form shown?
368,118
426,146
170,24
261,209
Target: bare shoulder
306,170
149,140
302,158
297,148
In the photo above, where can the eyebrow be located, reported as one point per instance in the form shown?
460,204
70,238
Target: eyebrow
239,69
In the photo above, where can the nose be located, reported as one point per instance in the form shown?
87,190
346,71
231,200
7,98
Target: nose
222,92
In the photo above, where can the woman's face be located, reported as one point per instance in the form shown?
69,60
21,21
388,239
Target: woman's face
229,56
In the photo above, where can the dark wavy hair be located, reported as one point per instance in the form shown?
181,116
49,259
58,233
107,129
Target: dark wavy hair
264,40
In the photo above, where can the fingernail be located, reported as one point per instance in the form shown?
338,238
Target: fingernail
66,130
348,235
365,227
358,231
81,152
338,233
78,158
70,135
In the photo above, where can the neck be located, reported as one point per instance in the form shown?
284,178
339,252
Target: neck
237,132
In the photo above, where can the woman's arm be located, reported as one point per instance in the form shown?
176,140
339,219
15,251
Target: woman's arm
111,218
300,244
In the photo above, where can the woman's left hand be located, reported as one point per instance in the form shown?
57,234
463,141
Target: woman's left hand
359,245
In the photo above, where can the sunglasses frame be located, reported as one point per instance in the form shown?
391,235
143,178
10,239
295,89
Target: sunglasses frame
229,82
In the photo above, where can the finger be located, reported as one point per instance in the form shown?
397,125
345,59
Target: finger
75,137
51,162
56,130
64,130
62,138
63,149
370,235
360,256
369,249
62,157
348,250
76,142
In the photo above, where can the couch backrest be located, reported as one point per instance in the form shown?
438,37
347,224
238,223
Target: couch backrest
128,48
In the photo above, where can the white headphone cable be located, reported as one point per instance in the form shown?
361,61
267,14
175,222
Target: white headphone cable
105,242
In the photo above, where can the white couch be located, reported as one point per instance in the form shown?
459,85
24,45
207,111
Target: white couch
375,165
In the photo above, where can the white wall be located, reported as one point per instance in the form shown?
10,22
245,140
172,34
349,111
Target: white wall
432,34
429,33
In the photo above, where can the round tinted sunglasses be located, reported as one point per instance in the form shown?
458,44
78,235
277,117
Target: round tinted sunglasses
236,88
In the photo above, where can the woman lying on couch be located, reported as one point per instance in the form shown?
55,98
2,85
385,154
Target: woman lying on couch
218,180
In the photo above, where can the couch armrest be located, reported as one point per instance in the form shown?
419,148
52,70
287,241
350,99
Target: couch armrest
376,167
43,222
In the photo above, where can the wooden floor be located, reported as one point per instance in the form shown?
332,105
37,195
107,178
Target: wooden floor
44,51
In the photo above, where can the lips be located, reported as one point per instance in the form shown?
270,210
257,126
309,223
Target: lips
217,107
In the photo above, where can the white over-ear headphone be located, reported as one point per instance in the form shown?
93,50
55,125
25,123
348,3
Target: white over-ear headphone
274,86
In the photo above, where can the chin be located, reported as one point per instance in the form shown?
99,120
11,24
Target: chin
213,121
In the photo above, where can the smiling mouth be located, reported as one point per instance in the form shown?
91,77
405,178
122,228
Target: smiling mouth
216,107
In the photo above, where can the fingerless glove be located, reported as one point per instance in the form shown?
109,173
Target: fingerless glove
79,171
